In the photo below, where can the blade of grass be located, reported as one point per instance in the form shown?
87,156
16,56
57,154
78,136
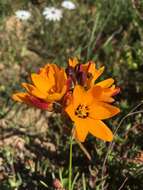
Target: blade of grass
74,180
70,164
83,182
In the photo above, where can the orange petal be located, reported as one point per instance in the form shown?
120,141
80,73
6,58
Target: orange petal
70,109
73,62
102,94
107,95
82,96
90,68
98,129
78,95
42,83
21,97
48,72
32,101
60,80
97,73
53,73
106,98
81,130
100,110
105,83
56,96
34,91
96,92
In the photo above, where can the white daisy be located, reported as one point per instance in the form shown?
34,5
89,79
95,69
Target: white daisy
68,5
52,13
23,15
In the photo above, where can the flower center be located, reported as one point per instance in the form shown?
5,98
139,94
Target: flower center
53,12
82,111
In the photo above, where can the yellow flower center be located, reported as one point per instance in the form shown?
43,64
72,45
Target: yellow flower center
82,111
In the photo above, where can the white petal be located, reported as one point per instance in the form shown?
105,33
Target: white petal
68,5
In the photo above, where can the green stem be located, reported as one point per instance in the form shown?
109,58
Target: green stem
70,164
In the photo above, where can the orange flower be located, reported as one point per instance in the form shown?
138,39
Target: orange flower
88,108
49,85
83,74
92,73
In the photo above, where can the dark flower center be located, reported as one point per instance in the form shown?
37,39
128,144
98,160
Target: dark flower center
53,12
82,111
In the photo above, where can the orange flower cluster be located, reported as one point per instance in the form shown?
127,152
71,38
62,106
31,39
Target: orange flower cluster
86,102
